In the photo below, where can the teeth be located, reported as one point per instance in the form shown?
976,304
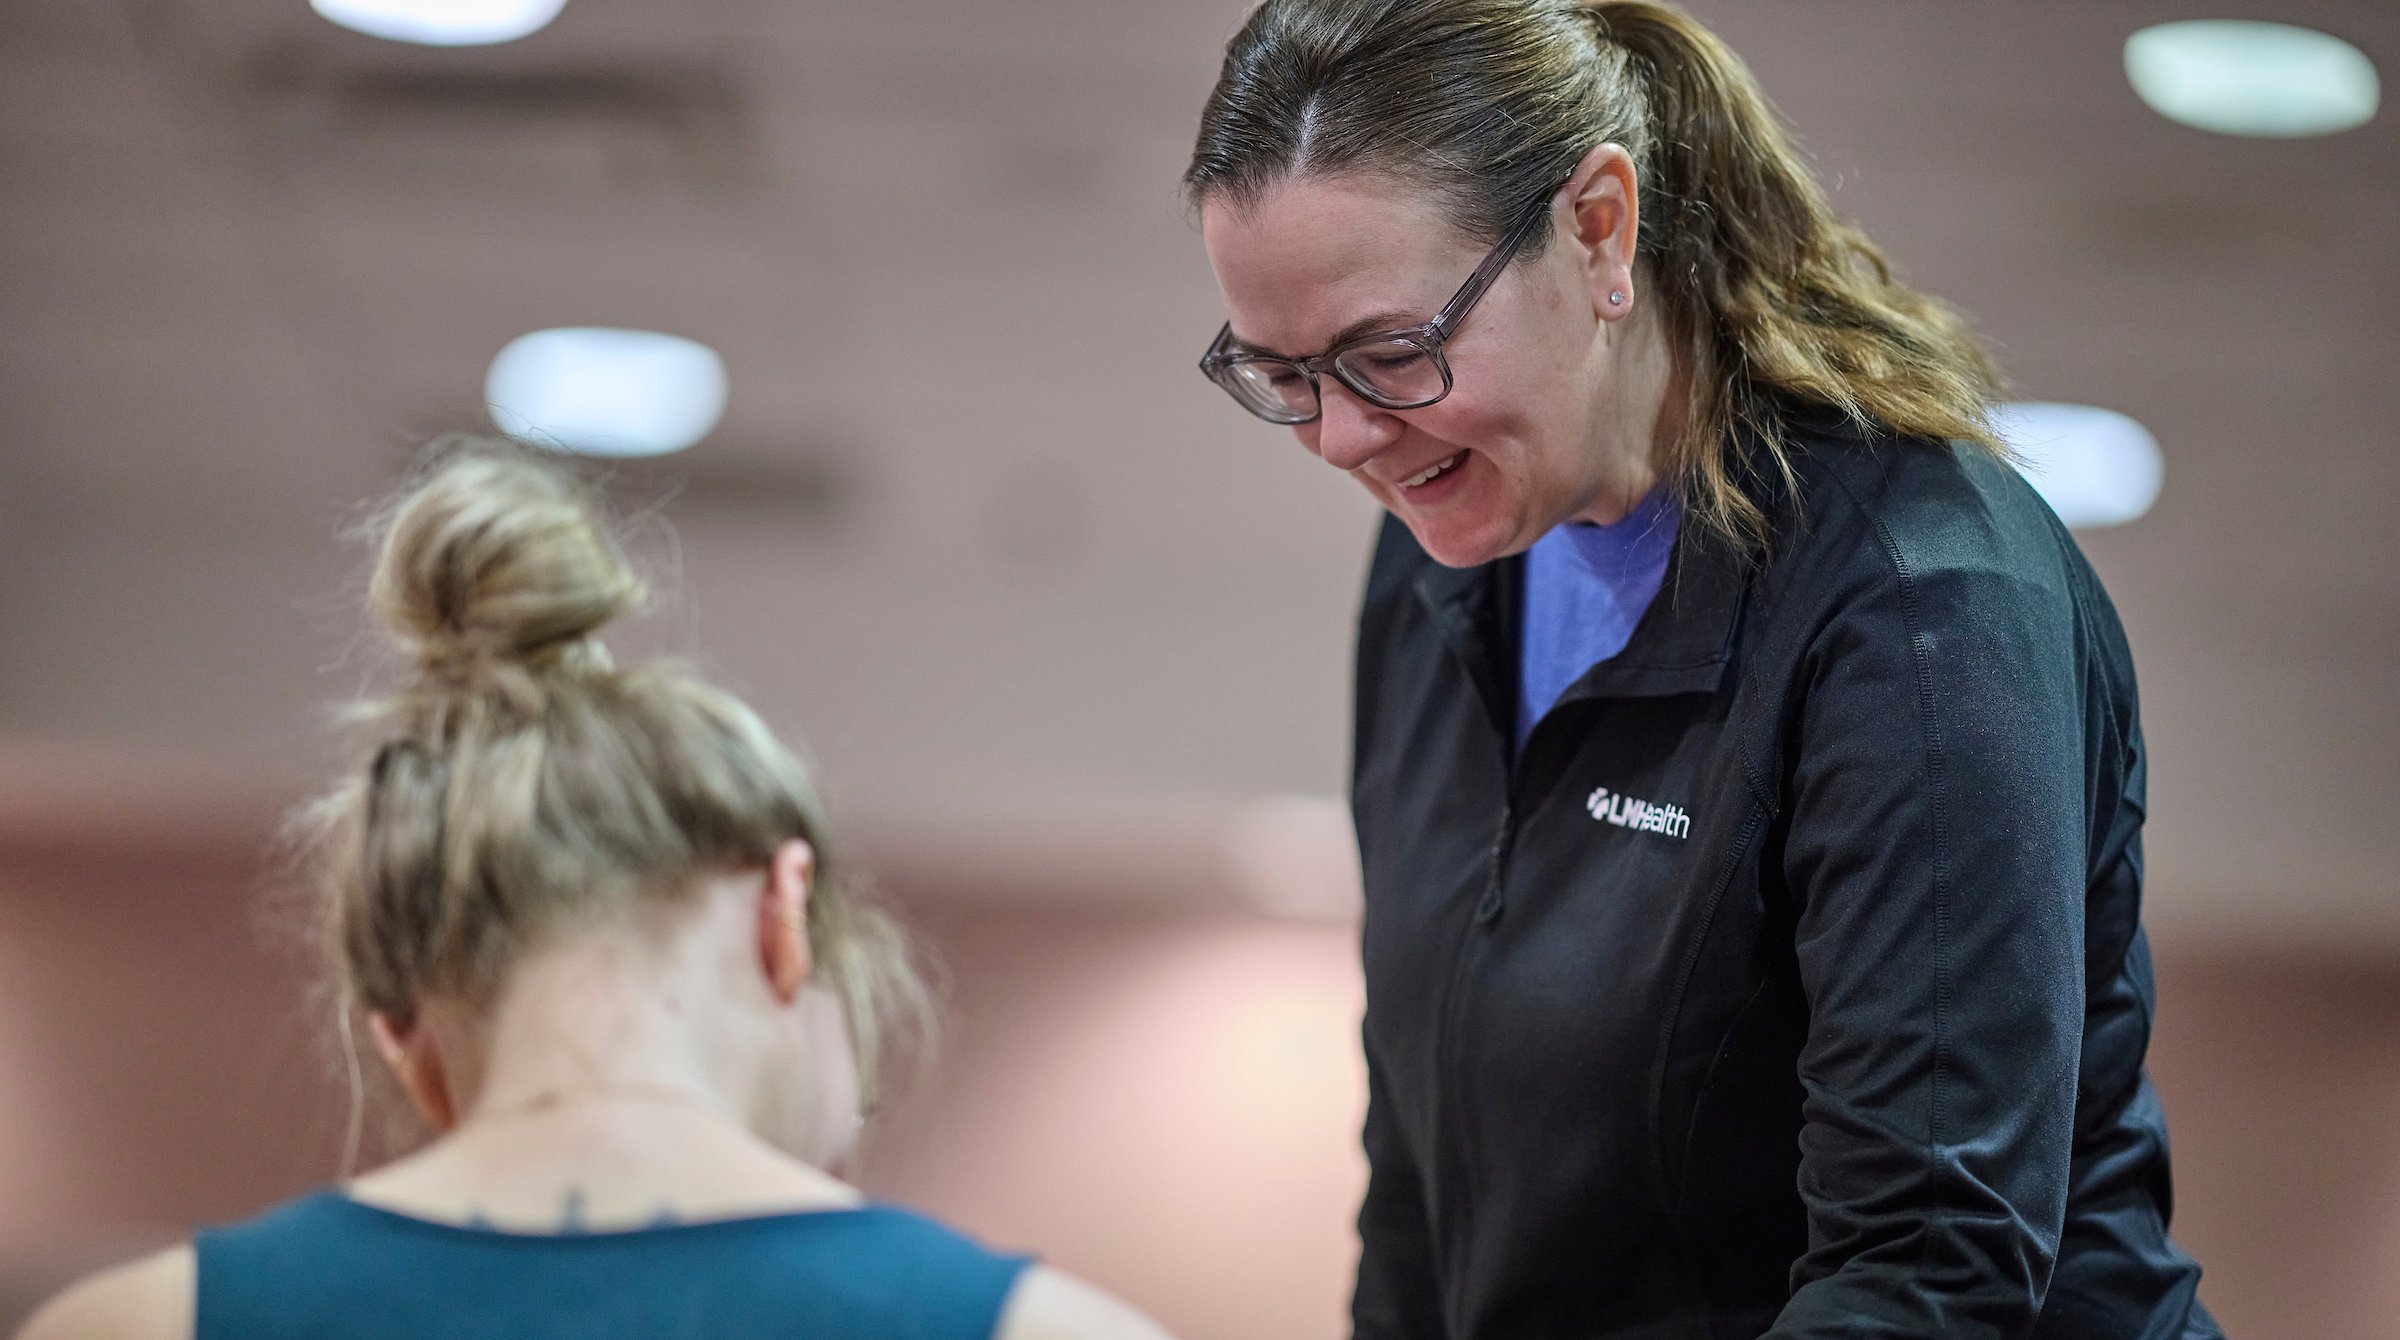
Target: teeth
1431,470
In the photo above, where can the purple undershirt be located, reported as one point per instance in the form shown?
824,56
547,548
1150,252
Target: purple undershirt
1585,588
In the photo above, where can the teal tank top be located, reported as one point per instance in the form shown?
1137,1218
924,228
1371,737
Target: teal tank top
328,1265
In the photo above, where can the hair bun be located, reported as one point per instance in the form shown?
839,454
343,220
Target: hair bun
497,554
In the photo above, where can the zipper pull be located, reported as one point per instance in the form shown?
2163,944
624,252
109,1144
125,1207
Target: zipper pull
1487,908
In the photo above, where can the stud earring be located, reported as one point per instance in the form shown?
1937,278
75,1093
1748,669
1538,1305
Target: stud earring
1616,298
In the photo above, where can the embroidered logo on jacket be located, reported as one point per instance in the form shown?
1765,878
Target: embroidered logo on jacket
1626,812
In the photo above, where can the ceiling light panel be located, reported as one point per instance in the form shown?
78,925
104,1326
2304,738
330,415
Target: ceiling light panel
603,391
2238,77
442,23
2095,467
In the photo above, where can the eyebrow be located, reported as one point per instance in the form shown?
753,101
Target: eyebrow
1365,325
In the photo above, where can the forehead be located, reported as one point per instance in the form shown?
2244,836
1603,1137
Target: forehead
1315,255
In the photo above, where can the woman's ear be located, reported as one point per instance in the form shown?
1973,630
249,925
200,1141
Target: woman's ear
783,919
1604,203
408,1049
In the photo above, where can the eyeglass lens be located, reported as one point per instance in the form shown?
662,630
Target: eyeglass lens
1397,373
1391,373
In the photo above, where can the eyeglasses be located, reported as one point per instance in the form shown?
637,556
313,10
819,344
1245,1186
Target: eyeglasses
1391,369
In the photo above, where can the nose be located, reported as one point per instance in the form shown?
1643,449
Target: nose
1349,432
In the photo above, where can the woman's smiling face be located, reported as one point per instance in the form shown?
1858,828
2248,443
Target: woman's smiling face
1523,440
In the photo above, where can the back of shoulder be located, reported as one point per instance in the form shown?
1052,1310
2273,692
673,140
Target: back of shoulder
1876,507
1041,1303
1052,1305
944,1276
149,1299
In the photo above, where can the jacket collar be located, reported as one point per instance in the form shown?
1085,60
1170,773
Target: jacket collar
1683,643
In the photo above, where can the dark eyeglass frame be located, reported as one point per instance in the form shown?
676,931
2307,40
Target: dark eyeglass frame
1219,364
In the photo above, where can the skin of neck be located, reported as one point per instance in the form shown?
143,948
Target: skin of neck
672,1062
674,1007
704,1002
1638,420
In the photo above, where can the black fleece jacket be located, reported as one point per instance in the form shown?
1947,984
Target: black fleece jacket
1791,980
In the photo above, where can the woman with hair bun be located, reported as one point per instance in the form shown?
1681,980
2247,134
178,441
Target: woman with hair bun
1746,766
593,922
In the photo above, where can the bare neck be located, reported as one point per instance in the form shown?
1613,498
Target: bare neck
614,1089
602,1015
1643,414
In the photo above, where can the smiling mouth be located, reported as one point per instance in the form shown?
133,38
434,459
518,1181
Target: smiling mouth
1434,471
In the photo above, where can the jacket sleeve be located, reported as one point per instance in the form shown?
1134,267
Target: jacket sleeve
1395,1297
1935,850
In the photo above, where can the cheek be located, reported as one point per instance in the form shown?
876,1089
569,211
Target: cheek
1535,468
1488,423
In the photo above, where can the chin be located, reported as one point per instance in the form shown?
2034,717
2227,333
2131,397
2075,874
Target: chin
1460,546
1479,519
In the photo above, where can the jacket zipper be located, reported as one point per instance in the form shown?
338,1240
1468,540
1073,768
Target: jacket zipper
1456,1115
1487,908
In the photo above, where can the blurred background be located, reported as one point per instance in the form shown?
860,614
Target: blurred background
1067,632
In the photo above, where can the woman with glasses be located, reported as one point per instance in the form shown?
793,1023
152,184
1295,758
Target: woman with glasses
590,918
1746,769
